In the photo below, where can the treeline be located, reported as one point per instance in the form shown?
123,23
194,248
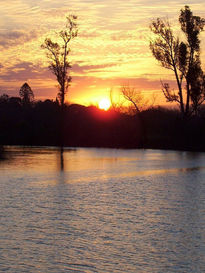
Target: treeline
38,123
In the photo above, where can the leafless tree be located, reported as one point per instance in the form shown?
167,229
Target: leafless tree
135,98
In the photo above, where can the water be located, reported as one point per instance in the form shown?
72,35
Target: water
101,210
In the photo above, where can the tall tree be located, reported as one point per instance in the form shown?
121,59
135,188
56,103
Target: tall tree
165,49
183,58
26,94
58,54
190,56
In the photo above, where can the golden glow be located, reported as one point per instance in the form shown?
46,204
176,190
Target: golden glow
111,49
104,104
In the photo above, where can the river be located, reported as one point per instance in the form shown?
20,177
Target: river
102,210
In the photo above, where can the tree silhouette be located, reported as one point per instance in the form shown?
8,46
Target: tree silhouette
137,103
130,100
135,98
4,98
58,53
165,49
190,58
26,94
183,58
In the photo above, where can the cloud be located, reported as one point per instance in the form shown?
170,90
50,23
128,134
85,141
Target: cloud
24,71
16,37
83,69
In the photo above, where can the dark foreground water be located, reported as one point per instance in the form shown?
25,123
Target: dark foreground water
100,210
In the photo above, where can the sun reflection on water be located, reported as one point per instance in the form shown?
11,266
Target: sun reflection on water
100,210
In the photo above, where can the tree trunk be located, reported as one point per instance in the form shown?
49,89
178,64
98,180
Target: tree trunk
187,100
180,91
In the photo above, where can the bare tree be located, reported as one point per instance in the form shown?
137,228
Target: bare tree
130,100
58,53
136,104
26,94
135,98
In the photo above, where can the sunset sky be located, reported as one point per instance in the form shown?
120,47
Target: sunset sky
112,47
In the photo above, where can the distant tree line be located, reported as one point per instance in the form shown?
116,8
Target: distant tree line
38,123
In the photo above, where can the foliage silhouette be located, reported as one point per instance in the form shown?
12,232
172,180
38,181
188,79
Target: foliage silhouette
92,127
26,94
190,58
183,58
58,53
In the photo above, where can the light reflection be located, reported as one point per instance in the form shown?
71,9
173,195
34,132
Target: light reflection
61,173
66,165
61,159
146,220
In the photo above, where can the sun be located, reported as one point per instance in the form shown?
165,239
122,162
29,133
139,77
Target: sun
104,104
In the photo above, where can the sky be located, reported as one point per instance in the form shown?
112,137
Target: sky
111,50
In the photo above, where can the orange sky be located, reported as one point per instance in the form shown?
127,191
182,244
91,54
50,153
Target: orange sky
112,47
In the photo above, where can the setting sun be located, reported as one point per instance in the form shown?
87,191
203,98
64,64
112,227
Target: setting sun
104,104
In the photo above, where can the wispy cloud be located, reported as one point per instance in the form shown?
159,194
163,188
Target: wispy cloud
16,37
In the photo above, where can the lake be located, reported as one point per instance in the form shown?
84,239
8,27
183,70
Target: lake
102,210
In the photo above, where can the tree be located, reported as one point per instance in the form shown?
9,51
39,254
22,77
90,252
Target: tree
130,100
58,53
26,94
190,58
137,103
4,98
165,49
183,58
135,98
